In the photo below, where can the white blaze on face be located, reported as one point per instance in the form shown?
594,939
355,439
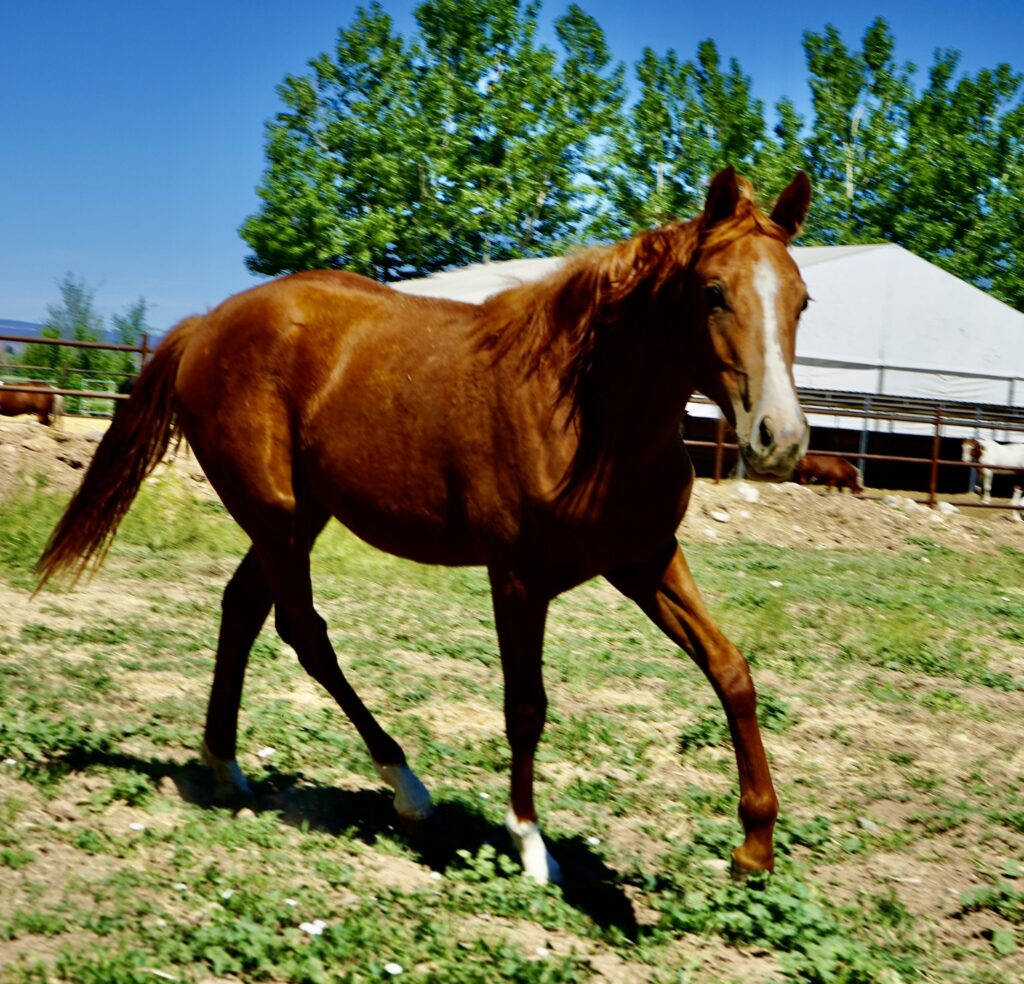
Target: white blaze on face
778,397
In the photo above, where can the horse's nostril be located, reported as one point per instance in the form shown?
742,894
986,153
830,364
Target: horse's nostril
766,434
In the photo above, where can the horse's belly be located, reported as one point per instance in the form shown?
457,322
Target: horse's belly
399,510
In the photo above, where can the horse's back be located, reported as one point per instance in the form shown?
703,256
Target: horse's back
346,385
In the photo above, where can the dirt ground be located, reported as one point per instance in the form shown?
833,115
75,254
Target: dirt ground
785,514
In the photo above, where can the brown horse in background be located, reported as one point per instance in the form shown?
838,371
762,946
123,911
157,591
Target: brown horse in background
42,401
537,434
829,470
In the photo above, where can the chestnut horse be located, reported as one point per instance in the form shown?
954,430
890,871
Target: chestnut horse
830,470
537,434
45,404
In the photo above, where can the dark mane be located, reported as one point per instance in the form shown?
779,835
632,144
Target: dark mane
595,292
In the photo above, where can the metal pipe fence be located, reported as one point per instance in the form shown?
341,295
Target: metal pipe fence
937,419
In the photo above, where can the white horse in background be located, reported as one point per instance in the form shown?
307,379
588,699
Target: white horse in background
991,456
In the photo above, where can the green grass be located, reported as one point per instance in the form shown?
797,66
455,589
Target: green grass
890,702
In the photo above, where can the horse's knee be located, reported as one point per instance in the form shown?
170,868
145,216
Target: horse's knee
524,723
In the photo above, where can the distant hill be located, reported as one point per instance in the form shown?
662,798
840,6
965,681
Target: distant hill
27,328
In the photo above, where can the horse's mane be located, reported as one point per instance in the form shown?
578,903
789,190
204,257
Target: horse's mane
572,317
600,288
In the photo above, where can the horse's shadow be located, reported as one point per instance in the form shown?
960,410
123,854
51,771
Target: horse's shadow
367,815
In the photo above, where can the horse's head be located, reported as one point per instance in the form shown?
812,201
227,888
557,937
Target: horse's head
749,293
971,451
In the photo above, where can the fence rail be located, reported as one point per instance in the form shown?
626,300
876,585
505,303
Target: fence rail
904,410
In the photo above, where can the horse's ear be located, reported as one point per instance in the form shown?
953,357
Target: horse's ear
791,208
723,197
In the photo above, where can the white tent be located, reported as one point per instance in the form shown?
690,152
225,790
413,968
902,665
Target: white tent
882,321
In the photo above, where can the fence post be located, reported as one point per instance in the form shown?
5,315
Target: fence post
144,349
933,483
719,439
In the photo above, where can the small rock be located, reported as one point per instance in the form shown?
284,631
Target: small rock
710,533
869,825
775,584
394,969
64,810
165,786
314,928
747,492
947,508
719,515
245,814
716,864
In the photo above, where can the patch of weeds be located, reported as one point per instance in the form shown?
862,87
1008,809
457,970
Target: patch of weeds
92,842
49,748
15,857
783,912
942,821
494,882
944,700
132,788
712,728
36,922
1002,899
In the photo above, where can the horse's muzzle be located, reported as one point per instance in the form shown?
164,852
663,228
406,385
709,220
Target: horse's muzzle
772,451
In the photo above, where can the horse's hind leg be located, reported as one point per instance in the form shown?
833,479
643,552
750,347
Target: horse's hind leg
285,560
244,609
664,588
519,618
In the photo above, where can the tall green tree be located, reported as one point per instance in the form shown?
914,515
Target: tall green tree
862,101
395,158
128,330
997,241
690,119
75,318
960,171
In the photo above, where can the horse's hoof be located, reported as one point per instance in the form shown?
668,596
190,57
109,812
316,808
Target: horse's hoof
412,799
743,871
229,782
538,864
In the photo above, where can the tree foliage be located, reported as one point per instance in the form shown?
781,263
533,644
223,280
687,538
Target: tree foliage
471,140
75,318
394,158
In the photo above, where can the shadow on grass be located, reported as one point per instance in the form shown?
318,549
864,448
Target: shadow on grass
590,885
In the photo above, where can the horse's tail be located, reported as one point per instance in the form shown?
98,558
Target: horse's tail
134,443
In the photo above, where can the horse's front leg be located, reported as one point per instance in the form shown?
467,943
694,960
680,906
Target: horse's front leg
519,617
986,485
664,588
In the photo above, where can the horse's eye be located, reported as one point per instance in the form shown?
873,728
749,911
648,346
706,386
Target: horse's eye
807,300
715,296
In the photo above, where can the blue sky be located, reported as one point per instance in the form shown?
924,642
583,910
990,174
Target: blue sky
131,133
